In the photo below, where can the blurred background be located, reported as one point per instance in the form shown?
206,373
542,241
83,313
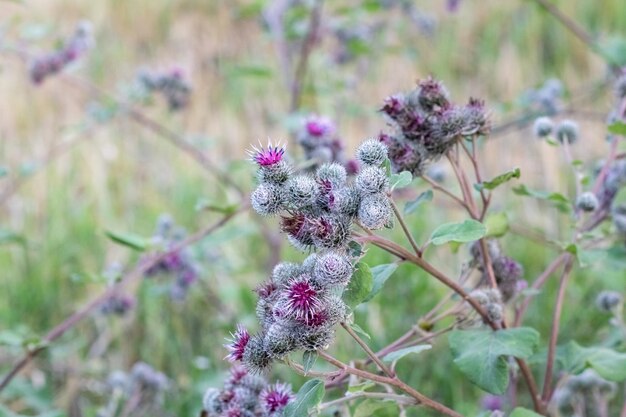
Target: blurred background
75,162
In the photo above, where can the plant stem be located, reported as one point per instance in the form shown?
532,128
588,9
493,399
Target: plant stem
305,52
554,334
369,351
403,399
569,23
538,283
444,190
421,398
408,234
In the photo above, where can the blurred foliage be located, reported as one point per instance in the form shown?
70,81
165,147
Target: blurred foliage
118,176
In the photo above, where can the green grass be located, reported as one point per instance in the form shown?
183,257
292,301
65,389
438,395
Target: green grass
123,177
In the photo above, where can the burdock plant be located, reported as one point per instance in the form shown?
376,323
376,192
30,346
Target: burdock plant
331,216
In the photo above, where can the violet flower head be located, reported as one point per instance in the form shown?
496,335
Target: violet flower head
237,344
275,397
267,156
492,402
300,300
452,5
319,126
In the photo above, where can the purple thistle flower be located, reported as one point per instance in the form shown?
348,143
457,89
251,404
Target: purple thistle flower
452,5
352,166
275,397
270,155
237,374
318,126
393,106
492,402
237,344
266,289
234,411
300,299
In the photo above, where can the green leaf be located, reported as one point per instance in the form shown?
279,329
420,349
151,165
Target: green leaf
400,180
126,239
618,128
308,360
361,387
204,204
523,412
467,231
559,200
482,354
613,50
360,331
411,206
308,397
252,70
608,363
399,354
500,179
3,171
8,236
355,249
380,275
368,407
497,224
387,167
360,285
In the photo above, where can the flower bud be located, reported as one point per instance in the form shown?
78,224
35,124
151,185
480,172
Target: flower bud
568,131
267,199
587,201
333,173
285,271
371,180
211,401
607,301
301,191
375,211
331,269
372,152
278,341
255,358
543,127
346,201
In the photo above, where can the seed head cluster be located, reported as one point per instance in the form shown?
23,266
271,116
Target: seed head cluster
143,384
177,263
118,304
427,125
585,394
247,395
609,301
299,305
171,84
54,62
507,271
